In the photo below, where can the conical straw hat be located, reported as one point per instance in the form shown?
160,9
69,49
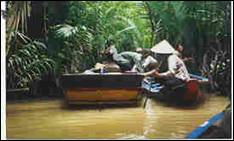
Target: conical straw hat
163,47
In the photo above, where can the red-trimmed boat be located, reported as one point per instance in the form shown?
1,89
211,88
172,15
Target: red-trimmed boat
186,93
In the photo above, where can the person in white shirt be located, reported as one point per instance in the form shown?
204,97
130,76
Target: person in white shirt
176,67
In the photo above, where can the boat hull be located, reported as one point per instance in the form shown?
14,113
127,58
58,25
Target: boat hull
109,88
188,93
204,128
101,95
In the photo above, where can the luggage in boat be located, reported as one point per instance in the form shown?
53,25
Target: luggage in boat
113,88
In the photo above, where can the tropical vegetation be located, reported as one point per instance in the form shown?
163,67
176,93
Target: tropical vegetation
69,36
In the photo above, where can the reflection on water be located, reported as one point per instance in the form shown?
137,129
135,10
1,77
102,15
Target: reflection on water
49,119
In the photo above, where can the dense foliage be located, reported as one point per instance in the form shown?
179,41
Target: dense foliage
26,61
26,58
74,33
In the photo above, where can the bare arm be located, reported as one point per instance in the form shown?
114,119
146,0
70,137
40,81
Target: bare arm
171,70
150,73
186,59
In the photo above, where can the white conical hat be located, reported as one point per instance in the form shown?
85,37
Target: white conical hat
163,47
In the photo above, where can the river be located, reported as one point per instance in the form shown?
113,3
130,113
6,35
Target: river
51,119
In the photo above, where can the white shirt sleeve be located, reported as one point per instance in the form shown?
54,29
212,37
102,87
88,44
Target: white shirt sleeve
172,64
177,68
172,67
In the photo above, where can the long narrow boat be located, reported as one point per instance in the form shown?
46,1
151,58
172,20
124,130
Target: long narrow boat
114,88
187,93
204,128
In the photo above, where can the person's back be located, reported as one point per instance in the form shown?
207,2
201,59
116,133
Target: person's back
126,60
177,67
171,67
133,57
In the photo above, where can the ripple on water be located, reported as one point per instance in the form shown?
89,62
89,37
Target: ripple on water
47,119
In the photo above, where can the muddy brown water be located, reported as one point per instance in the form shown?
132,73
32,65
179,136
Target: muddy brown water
50,119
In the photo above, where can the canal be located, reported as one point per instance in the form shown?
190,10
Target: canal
51,119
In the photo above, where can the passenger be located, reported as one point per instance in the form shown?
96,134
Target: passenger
172,71
179,52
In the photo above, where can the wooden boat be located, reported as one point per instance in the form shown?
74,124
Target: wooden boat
202,82
108,88
205,128
187,93
218,126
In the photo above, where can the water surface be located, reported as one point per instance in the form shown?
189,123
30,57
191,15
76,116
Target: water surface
40,119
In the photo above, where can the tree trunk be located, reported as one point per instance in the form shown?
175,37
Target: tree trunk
150,14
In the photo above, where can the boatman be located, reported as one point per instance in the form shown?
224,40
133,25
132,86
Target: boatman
172,71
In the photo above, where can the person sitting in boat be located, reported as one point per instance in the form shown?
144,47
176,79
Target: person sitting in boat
179,52
172,71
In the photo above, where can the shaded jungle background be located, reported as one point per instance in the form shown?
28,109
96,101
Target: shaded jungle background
46,39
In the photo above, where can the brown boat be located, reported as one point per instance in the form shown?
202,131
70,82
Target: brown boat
110,88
